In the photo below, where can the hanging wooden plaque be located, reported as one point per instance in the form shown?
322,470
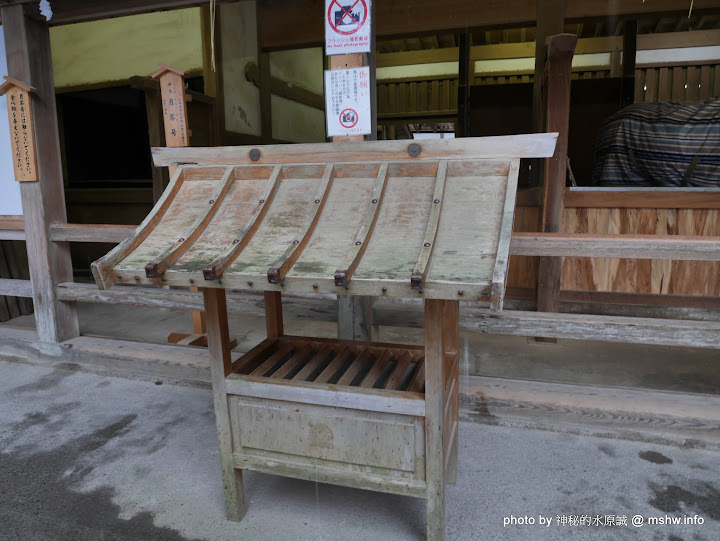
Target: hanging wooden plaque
22,128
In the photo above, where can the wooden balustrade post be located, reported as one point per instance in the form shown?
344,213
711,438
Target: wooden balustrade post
27,46
557,91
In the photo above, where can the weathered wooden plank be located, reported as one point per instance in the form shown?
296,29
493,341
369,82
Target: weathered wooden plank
310,470
284,263
354,369
419,273
705,334
539,145
90,232
12,234
380,400
673,247
661,198
284,350
355,256
15,288
161,263
434,406
103,268
220,367
216,268
502,256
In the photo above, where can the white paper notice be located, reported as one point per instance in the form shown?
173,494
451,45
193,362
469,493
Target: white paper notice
347,102
347,26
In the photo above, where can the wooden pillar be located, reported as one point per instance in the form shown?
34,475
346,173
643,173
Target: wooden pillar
462,128
220,368
628,63
27,45
441,422
559,69
355,312
264,84
273,314
550,21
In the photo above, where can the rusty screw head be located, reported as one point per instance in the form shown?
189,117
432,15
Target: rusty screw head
317,201
236,241
315,286
436,201
384,289
296,241
427,245
262,201
460,292
181,239
358,243
211,201
254,154
374,201
192,281
414,150
250,284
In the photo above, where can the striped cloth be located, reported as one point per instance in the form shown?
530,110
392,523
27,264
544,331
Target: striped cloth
659,144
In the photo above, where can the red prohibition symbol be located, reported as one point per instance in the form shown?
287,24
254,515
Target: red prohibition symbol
345,21
348,118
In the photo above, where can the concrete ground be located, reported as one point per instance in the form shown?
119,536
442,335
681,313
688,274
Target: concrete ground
85,457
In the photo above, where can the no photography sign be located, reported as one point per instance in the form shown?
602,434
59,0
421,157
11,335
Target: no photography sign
347,26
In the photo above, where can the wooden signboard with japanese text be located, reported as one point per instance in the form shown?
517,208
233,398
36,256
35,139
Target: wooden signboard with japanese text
22,129
172,88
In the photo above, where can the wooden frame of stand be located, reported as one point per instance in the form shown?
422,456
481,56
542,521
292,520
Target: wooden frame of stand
366,415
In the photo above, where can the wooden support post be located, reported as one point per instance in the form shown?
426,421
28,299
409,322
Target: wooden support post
220,368
264,83
434,417
628,63
355,312
462,128
27,46
560,54
451,340
550,21
273,314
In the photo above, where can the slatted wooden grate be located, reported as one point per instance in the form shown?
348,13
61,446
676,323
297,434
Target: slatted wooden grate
336,362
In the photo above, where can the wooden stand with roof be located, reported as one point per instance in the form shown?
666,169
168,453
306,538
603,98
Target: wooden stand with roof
428,221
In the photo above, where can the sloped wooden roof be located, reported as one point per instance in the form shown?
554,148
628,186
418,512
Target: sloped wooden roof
429,219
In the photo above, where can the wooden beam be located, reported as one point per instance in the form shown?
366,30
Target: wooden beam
264,80
501,51
282,88
12,223
660,198
297,23
27,46
668,247
90,233
550,18
462,127
12,234
15,288
630,34
703,334
557,91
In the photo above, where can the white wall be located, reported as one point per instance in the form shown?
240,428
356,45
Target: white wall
10,203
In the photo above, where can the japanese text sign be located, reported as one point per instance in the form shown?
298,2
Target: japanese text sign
22,129
172,91
347,102
347,26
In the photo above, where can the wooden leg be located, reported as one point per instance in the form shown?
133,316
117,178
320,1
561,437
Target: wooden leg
434,413
354,317
451,338
273,314
220,367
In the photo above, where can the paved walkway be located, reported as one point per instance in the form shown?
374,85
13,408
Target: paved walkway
85,457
